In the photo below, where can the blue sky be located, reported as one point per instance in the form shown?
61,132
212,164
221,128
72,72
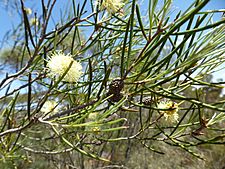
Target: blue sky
11,19
7,19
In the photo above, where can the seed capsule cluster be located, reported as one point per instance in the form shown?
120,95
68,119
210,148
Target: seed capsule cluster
148,101
115,88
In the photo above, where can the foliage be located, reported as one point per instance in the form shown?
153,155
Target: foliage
132,63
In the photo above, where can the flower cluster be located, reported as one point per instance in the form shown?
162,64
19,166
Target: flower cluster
60,63
34,22
92,116
49,106
112,6
28,11
169,110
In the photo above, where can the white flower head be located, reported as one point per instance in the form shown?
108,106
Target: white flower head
93,116
34,22
49,106
59,63
28,11
112,6
169,110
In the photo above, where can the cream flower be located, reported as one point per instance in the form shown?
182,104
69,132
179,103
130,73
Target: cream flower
49,106
34,22
170,110
59,64
92,116
28,11
112,6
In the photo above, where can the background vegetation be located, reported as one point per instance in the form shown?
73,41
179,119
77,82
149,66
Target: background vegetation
132,60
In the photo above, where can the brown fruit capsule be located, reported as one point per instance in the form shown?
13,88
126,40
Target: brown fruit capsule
116,85
147,101
116,96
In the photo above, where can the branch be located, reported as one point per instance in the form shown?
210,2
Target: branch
14,130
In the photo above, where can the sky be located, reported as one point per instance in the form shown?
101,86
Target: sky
10,18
